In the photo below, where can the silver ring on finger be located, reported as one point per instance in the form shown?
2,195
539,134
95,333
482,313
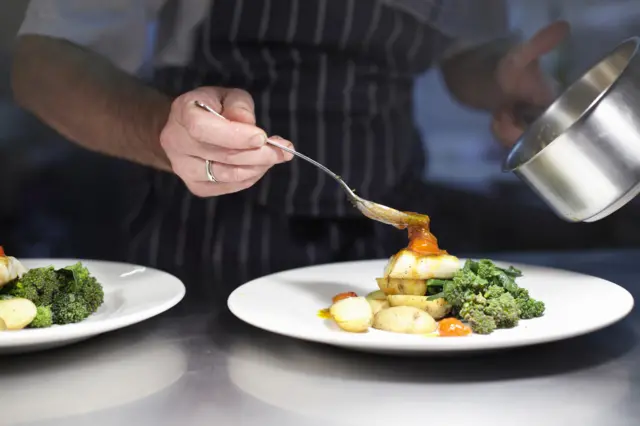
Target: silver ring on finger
209,172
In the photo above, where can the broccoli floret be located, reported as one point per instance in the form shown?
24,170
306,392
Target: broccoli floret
77,280
92,293
480,322
68,308
38,285
463,287
530,308
504,311
43,318
494,291
456,294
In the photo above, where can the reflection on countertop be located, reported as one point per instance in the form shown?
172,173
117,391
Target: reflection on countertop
108,373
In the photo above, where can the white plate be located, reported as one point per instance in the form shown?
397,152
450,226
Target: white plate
287,303
132,294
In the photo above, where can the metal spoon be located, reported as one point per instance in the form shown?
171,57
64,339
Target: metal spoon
372,210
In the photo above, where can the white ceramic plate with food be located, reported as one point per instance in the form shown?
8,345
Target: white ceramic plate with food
288,303
132,294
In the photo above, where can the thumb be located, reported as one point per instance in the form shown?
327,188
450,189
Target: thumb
237,105
542,42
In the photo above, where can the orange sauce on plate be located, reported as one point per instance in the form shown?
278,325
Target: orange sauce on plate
345,295
324,313
452,327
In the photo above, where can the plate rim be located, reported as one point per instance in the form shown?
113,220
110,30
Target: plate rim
451,345
69,332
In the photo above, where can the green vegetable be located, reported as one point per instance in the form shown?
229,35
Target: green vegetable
80,295
504,310
487,297
77,280
436,282
68,308
530,308
38,285
435,296
62,296
43,318
480,322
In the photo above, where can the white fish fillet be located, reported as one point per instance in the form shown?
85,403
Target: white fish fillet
409,265
10,269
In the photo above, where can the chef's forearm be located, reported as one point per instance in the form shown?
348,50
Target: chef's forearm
89,101
470,75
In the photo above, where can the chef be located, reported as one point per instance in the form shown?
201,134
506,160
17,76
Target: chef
335,78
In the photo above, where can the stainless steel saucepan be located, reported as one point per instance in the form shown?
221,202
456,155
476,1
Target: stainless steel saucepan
582,155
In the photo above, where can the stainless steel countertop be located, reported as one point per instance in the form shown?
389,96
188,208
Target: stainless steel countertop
197,365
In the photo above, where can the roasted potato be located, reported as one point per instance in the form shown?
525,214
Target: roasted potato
407,264
402,286
378,301
17,313
377,295
405,319
436,308
353,314
3,325
378,305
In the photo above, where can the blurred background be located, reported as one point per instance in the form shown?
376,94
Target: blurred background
59,200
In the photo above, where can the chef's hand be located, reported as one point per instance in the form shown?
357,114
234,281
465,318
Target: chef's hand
522,81
236,148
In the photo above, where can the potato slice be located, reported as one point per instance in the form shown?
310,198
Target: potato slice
401,286
405,319
437,308
3,325
378,305
407,264
353,314
17,313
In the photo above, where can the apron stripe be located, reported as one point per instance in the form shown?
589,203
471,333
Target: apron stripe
233,36
417,42
369,148
293,102
218,252
265,245
181,238
210,207
372,25
293,129
321,93
206,46
348,23
182,232
346,134
266,94
322,10
245,240
311,252
265,118
386,116
321,154
154,246
346,95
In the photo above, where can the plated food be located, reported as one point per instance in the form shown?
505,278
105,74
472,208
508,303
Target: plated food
425,290
46,296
